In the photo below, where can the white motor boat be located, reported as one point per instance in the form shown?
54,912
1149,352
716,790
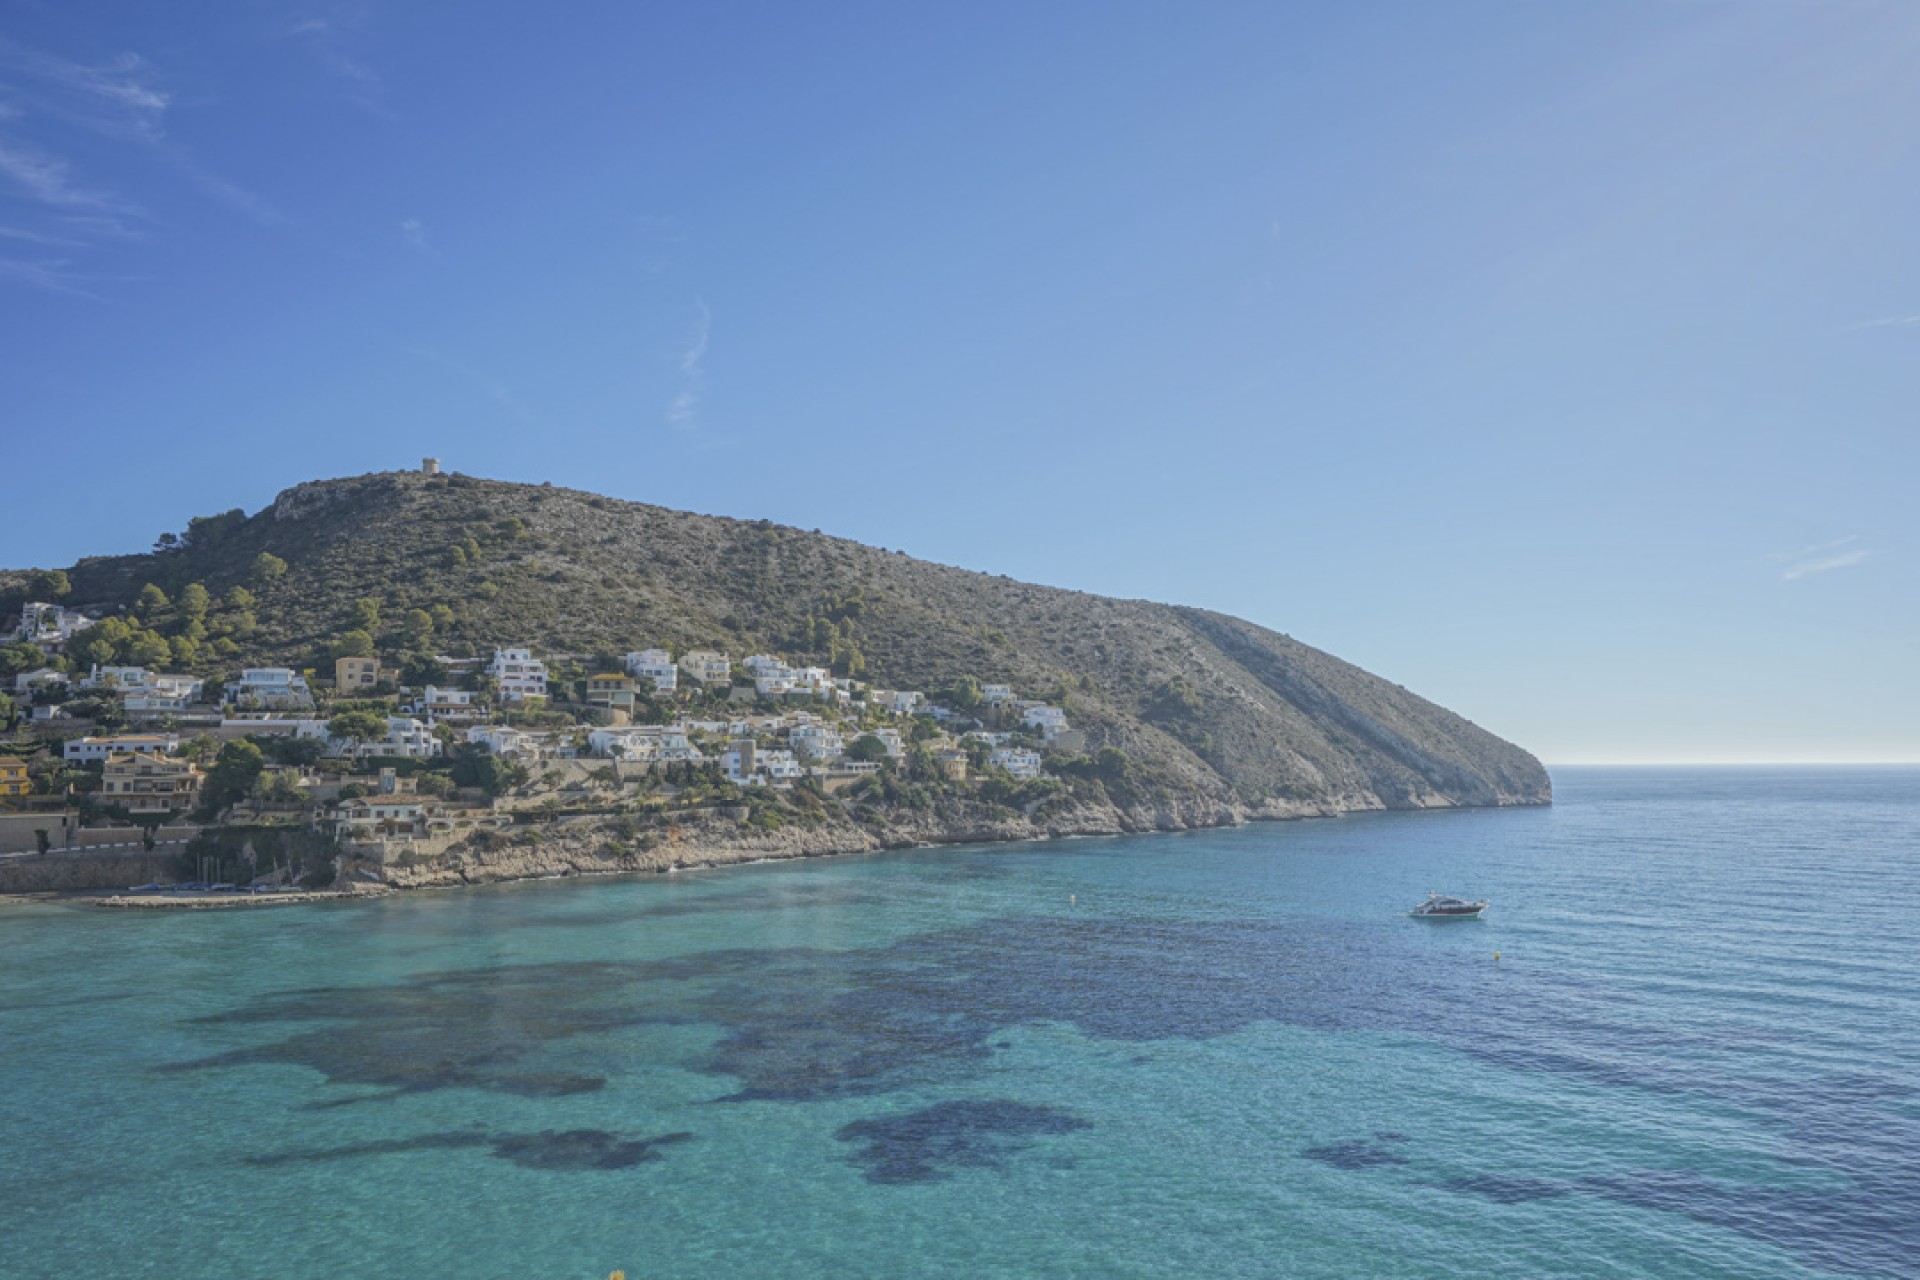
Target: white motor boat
1439,906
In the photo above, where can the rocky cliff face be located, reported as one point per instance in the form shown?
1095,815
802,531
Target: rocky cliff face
588,846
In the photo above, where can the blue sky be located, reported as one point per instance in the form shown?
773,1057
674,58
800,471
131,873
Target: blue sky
1559,361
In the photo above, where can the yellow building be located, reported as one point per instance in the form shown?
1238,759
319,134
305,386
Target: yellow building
13,778
355,675
150,784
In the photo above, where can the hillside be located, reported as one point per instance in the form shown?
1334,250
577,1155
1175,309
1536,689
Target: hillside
1208,709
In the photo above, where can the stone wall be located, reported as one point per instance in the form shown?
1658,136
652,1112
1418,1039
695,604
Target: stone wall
17,834
63,872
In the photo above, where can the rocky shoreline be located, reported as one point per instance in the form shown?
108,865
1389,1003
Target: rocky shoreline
585,847
589,846
230,901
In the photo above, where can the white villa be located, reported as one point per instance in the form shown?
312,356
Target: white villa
771,677
276,688
508,743
405,738
890,739
821,683
780,766
114,677
816,741
50,625
1050,721
772,680
96,750
902,702
655,665
518,674
450,706
1018,761
169,695
145,692
748,765
994,694
649,743
737,763
26,680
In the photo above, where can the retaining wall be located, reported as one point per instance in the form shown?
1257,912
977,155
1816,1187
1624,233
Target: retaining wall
69,871
17,834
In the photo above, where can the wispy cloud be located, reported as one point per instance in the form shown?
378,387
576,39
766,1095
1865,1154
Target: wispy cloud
118,97
1841,553
1824,564
415,233
696,353
333,40
683,411
49,179
49,101
39,238
52,276
1889,322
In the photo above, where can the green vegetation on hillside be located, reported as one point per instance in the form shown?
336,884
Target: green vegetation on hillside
408,567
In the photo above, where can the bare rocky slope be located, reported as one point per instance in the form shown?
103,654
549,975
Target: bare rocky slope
1219,719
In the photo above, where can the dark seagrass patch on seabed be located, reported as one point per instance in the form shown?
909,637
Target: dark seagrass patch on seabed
569,1150
799,1024
1862,1223
1355,1153
468,1029
929,1010
929,1144
1504,1190
581,1149
1862,1231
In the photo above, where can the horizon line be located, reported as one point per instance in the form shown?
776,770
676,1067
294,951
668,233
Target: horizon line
1719,764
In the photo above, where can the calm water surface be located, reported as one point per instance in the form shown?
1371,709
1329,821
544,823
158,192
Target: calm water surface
1217,1054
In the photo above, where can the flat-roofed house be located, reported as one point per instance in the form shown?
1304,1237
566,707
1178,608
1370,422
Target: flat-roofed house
150,784
96,750
706,666
272,688
451,706
611,690
518,675
656,665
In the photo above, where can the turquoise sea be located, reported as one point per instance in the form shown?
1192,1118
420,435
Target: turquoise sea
1218,1054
